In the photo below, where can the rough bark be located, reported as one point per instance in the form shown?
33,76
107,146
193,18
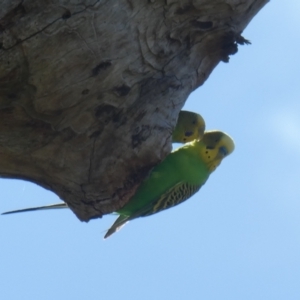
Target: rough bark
90,90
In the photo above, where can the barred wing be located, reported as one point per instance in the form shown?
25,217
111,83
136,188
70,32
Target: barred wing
174,196
177,194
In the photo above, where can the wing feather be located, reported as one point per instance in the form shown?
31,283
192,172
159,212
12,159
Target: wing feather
174,196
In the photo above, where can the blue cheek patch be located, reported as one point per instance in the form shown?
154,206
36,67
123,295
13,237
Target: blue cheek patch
188,133
223,150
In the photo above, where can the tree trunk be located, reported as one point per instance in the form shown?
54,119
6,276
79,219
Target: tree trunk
90,90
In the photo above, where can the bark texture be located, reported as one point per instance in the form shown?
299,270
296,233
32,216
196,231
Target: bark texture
90,90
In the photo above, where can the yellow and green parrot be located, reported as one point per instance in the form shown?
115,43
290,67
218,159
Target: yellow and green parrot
190,126
179,176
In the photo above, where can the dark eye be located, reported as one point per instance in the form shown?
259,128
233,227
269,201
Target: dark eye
188,133
223,151
210,147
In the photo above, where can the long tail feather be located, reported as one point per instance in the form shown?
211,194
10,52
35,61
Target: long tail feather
119,223
52,206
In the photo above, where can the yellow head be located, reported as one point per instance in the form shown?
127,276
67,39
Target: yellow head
215,146
190,126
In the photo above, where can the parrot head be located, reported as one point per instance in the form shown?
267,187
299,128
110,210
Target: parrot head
190,126
197,127
215,146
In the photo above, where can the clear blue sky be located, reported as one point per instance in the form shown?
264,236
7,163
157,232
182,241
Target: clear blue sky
238,238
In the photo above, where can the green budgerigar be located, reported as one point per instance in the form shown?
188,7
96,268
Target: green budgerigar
190,126
177,178
180,175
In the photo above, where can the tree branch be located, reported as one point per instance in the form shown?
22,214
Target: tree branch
90,93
